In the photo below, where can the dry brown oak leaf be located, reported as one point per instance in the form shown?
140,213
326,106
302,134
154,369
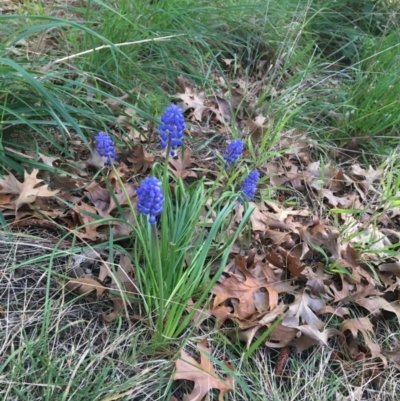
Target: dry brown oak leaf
250,292
202,374
26,191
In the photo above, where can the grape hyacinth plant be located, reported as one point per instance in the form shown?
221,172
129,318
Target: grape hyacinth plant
172,257
105,147
151,198
233,152
171,129
249,185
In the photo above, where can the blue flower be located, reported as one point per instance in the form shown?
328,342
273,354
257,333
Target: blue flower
105,146
234,150
172,127
249,185
151,198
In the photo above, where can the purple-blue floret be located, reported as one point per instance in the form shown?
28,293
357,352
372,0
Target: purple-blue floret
105,147
249,185
151,198
172,127
233,152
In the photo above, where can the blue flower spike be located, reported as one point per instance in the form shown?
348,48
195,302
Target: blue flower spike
151,198
105,147
233,152
172,127
249,185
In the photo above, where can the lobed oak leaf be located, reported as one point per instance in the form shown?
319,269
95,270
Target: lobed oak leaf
27,191
99,196
221,313
223,112
120,197
303,311
245,336
393,268
202,374
119,304
317,279
328,309
252,294
195,101
284,259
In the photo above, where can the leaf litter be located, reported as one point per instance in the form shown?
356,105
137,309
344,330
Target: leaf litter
301,268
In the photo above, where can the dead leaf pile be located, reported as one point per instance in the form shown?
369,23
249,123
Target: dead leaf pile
304,271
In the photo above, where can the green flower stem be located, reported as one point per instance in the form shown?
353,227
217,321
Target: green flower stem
159,271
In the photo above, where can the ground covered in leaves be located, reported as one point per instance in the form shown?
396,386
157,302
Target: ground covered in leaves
317,269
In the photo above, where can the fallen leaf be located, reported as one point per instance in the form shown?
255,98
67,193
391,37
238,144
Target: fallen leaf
27,191
180,167
310,336
202,374
195,101
374,304
223,113
281,336
257,127
362,325
371,175
284,259
85,285
245,290
119,305
302,311
141,160
85,214
121,199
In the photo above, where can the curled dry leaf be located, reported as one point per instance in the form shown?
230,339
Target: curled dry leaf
85,285
374,304
119,305
284,259
281,336
203,374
